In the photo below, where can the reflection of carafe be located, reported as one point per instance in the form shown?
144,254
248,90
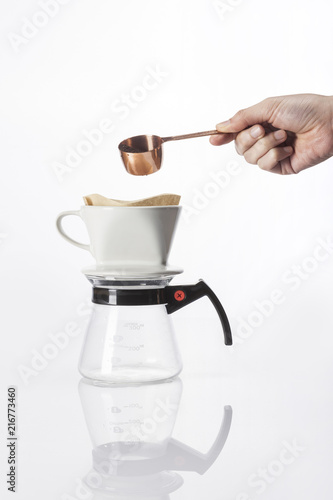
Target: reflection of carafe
134,455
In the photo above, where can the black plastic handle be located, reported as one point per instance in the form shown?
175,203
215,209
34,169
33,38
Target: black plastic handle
180,296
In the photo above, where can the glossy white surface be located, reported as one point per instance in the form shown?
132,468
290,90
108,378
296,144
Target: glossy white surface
279,445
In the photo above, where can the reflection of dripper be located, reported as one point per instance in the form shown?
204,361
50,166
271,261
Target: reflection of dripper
134,455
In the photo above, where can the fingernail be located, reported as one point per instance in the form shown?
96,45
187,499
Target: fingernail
255,132
288,149
279,134
223,124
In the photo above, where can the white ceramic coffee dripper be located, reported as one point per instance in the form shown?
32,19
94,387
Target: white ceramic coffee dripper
132,237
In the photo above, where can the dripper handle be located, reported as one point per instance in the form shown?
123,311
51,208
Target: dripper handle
180,296
64,234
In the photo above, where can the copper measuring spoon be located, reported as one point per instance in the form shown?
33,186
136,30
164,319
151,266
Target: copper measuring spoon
142,154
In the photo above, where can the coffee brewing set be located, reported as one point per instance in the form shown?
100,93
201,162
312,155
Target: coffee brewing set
130,337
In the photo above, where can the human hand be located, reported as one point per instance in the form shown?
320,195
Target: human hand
284,134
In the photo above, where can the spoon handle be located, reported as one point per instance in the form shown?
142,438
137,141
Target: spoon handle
189,136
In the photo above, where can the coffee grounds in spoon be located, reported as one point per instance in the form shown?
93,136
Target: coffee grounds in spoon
128,149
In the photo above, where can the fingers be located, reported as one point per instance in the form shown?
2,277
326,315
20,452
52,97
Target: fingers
220,139
259,113
254,143
262,149
271,160
258,146
248,138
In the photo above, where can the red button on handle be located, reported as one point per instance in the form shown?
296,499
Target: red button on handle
179,295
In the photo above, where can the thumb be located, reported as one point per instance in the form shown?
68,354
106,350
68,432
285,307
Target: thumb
244,118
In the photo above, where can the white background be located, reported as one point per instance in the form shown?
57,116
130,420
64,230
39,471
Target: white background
243,238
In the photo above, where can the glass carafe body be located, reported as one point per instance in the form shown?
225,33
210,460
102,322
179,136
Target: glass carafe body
129,344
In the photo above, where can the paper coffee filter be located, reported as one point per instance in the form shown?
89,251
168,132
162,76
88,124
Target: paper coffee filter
154,201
